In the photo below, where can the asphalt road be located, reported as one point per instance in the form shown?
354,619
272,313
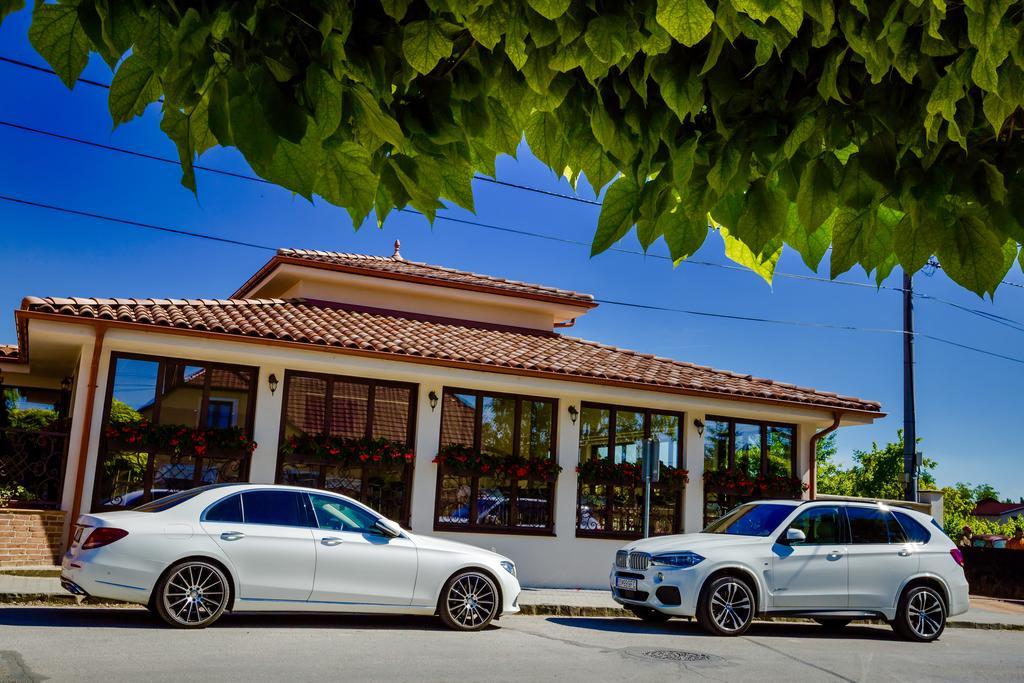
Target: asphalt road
96,644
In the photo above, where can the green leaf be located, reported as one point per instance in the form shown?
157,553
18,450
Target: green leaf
57,34
155,43
190,131
346,179
864,237
135,85
817,196
550,9
297,167
381,124
618,214
457,183
994,181
606,37
11,6
251,132
914,243
324,93
421,178
546,137
971,254
424,44
800,134
396,9
811,246
684,233
763,262
764,217
681,88
688,21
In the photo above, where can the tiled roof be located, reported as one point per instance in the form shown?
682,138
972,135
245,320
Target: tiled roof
441,341
8,352
397,267
993,508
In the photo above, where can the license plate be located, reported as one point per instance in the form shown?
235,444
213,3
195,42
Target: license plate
626,584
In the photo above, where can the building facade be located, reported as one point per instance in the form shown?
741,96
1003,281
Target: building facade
450,401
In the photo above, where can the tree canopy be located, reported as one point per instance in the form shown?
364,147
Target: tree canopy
888,129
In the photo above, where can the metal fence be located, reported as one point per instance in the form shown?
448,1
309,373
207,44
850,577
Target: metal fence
32,466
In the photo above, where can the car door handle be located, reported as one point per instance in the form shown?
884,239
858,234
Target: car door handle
834,555
330,540
232,535
904,553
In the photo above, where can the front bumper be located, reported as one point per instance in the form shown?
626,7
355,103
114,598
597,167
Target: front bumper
510,590
671,590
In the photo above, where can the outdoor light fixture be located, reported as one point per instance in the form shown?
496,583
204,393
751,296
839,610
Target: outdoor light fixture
699,424
432,397
573,414
65,384
272,383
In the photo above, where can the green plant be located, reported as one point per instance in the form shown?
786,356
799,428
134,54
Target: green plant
467,461
346,451
888,129
14,492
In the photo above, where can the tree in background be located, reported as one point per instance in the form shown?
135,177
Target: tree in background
877,473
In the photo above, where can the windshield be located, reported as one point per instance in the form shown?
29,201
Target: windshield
752,519
167,502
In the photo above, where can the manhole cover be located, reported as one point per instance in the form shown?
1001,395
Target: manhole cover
662,655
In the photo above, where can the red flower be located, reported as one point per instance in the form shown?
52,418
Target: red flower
376,458
363,457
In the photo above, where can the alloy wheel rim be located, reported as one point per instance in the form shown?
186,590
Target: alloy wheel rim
731,607
194,594
471,600
925,614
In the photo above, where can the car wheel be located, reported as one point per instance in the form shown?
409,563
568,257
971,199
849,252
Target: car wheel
469,601
193,594
833,624
650,615
921,615
726,607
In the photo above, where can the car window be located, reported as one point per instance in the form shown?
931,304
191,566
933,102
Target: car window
283,508
916,532
340,515
751,519
874,525
226,510
821,525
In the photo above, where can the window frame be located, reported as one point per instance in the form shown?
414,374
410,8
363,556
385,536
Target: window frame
371,385
613,410
147,479
511,529
844,526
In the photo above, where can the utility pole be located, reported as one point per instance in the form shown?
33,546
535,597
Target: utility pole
909,421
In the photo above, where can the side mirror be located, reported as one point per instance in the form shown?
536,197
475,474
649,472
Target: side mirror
795,536
388,528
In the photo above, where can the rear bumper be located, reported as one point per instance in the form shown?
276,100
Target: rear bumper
94,579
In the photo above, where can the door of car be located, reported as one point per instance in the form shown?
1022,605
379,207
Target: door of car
812,573
881,558
266,536
356,564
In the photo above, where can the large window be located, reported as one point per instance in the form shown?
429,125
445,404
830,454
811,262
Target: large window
610,493
350,435
746,460
172,425
495,463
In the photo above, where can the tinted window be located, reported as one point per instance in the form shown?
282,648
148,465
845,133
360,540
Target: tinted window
751,519
873,525
915,531
821,525
170,501
340,515
283,508
227,510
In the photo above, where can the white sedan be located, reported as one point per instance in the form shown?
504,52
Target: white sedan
193,555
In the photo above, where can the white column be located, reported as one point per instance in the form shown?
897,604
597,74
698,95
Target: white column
424,477
92,450
266,425
693,499
81,395
568,454
803,454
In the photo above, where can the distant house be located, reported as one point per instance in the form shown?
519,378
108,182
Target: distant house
991,509
448,400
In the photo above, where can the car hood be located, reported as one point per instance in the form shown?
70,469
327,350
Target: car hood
445,546
694,542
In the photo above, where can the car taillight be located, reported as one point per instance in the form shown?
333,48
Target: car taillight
958,556
103,536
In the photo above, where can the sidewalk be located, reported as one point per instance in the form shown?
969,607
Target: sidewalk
43,585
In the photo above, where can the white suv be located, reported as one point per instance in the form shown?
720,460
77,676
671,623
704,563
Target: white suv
832,561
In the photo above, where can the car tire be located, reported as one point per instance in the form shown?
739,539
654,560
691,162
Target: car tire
192,594
726,606
833,624
921,614
469,601
648,614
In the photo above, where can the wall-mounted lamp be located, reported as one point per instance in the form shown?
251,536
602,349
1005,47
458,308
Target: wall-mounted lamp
432,397
65,384
573,414
699,424
272,383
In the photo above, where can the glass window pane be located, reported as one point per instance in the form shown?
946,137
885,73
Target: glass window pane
228,404
349,409
748,448
780,451
227,510
181,402
629,433
344,480
868,525
493,502
338,514
594,424
532,509
535,429
664,500
915,531
593,507
307,400
627,510
497,424
458,417
751,519
665,428
282,508
453,499
716,445
821,525
29,407
298,474
134,393
391,413
385,491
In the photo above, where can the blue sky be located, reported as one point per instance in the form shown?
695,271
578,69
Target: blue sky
966,402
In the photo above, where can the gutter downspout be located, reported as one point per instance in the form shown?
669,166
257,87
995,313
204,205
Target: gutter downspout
90,402
837,416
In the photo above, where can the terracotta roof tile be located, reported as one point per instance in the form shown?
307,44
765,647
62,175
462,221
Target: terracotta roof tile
406,335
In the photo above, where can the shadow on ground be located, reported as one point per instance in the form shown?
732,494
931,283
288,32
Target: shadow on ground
683,627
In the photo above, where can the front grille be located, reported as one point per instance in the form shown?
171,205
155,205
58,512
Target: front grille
639,561
639,596
622,559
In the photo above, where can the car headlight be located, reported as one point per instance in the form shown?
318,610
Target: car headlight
683,559
510,567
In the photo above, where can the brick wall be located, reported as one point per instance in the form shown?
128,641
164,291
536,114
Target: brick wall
30,537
